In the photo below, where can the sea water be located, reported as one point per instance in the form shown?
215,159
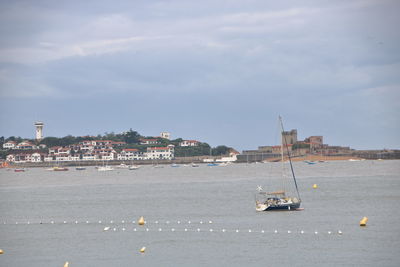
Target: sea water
201,216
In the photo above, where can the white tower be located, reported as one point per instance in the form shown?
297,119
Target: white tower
39,130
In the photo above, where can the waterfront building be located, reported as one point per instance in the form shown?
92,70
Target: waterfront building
130,154
160,152
25,157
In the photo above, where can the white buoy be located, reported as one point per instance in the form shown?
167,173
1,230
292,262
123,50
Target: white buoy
99,221
76,222
210,222
316,232
189,222
289,231
111,221
198,229
114,229
262,231
237,230
276,231
159,229
52,222
301,232
223,230
87,222
173,230
122,221
156,222
185,230
329,232
147,229
249,230
106,228
123,229
134,229
201,222
339,232
179,222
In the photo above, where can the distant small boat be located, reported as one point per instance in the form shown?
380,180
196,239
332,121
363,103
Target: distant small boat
212,164
195,165
134,167
60,169
105,168
122,166
80,168
175,165
19,170
310,162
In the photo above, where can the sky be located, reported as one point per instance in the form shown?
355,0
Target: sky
219,72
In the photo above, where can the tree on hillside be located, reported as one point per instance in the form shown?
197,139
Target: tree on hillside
220,150
51,141
132,137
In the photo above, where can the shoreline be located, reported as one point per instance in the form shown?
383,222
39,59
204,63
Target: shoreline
310,158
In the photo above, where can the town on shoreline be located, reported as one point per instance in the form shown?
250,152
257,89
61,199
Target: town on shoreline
131,147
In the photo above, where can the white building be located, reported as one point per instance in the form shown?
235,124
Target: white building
149,141
9,145
25,157
130,154
160,152
189,143
165,135
25,145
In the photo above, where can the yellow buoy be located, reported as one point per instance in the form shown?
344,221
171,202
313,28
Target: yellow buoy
315,186
66,264
1,251
364,221
141,221
142,250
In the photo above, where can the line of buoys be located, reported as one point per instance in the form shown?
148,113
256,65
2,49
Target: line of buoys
364,221
222,230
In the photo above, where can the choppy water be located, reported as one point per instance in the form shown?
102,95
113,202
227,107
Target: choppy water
169,198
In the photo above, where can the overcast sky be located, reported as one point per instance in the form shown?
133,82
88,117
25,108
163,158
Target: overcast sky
216,71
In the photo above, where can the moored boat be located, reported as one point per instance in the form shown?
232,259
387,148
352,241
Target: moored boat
134,167
279,200
60,169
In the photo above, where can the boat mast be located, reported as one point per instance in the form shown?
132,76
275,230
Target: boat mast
290,160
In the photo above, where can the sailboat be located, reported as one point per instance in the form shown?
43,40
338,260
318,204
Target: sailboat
279,200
